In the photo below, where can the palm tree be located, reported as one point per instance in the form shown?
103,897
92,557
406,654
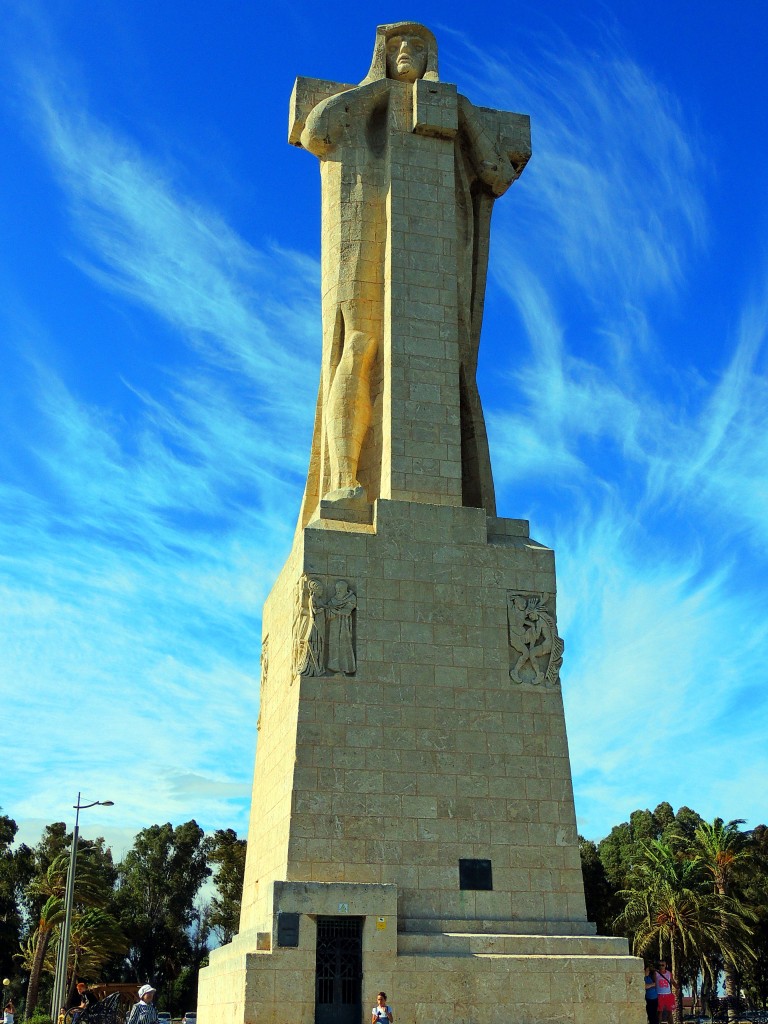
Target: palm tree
52,886
88,890
672,905
722,849
95,938
34,954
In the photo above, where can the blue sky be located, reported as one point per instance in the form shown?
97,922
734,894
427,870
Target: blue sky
159,345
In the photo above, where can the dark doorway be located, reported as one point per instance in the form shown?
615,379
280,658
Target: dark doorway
339,970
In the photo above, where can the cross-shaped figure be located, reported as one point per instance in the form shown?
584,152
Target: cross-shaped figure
410,170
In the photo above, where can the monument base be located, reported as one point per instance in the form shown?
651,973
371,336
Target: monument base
465,972
412,825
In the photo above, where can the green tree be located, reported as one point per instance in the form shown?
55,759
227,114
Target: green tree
663,818
90,891
686,823
53,842
622,847
15,873
755,889
95,939
723,850
157,884
227,852
671,905
33,954
599,894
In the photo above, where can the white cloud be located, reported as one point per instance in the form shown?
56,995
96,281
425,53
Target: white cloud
159,535
647,493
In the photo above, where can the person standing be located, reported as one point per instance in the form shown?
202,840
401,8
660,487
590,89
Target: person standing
666,997
651,995
144,1012
8,1012
381,1012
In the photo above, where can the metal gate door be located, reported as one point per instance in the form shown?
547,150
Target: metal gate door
339,970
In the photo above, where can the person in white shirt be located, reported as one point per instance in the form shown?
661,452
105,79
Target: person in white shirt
381,1012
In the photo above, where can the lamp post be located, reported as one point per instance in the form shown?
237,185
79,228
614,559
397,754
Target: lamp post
6,983
62,958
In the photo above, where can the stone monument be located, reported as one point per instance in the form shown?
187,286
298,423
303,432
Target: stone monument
412,826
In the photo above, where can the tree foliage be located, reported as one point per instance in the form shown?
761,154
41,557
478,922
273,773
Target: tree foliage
158,882
693,891
227,852
673,883
15,874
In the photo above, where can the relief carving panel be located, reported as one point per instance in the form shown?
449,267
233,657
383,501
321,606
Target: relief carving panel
264,674
324,628
535,647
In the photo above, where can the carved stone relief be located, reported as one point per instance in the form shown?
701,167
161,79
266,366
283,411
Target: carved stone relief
323,633
535,648
264,673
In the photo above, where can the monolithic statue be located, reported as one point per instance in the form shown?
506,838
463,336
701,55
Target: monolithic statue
341,648
355,131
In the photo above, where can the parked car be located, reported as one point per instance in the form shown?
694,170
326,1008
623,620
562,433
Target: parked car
189,1018
163,1017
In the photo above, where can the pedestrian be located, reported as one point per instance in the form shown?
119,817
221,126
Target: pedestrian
664,985
381,1012
144,1012
651,996
8,1011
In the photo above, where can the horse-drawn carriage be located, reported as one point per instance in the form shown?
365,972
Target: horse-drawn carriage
106,1011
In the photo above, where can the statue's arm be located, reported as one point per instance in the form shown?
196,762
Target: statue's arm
325,125
332,118
499,143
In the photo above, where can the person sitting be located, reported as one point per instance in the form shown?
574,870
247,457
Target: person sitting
81,999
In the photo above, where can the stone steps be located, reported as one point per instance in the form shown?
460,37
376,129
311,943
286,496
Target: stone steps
474,944
489,926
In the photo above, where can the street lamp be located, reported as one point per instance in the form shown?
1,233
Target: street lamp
62,958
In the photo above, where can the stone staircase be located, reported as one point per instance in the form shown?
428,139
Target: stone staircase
432,937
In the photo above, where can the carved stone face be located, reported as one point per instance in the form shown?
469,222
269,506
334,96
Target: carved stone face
406,57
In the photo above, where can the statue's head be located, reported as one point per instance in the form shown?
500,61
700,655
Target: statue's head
404,51
406,56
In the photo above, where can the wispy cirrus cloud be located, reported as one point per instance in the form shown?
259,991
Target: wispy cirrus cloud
649,494
136,566
612,196
134,569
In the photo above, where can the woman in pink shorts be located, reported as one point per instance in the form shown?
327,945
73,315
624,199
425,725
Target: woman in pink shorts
664,985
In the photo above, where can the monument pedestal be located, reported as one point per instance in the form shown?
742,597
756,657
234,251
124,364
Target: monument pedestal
424,798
